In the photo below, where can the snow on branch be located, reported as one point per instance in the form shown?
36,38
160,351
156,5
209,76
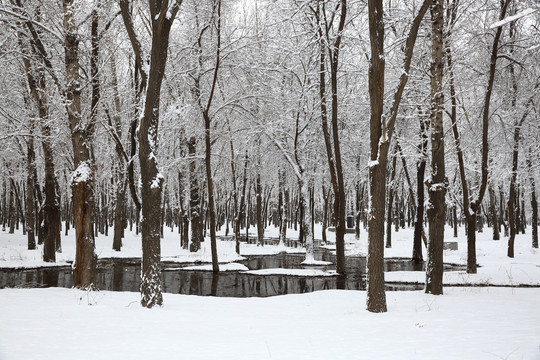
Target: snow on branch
82,174
515,17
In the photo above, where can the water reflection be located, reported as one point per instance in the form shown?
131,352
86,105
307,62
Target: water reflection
124,275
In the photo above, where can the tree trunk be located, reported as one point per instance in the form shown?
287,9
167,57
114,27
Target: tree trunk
306,219
436,212
119,211
30,213
420,194
283,207
161,18
471,243
12,213
258,195
82,183
391,202
194,201
381,131
493,210
534,203
454,215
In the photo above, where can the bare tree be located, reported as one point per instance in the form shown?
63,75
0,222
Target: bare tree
162,15
381,132
471,207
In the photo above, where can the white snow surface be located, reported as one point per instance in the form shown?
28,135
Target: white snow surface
293,272
464,323
222,267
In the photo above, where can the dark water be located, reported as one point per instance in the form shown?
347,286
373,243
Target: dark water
124,275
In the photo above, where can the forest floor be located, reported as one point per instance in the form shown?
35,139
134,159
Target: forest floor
496,320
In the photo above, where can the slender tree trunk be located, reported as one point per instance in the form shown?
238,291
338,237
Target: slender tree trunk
454,215
420,194
390,202
534,203
12,214
493,210
242,213
210,188
30,210
119,211
283,207
194,201
258,195
306,219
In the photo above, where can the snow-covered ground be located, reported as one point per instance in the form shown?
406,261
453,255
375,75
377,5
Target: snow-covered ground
465,323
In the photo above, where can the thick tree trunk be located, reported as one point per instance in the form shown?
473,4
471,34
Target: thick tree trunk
438,184
82,182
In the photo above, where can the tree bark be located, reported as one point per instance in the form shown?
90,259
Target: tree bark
391,202
420,194
493,211
381,131
30,210
194,201
436,212
82,182
161,17
282,205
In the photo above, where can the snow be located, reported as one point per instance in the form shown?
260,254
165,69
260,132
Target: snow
157,181
222,267
82,173
466,322
316,262
509,19
293,272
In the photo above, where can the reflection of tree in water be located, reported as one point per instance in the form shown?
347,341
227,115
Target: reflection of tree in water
122,275
50,277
